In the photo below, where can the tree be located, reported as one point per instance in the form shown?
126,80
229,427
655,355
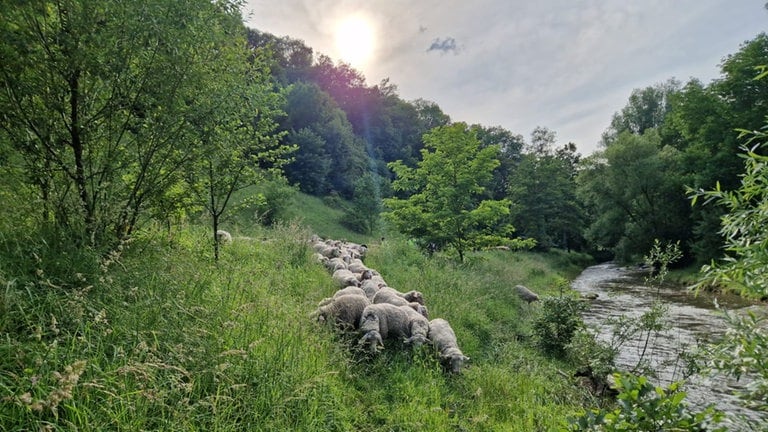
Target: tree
635,194
97,100
543,188
741,351
364,213
511,146
646,109
445,203
237,147
325,138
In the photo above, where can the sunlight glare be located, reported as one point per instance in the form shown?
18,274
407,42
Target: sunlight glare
355,40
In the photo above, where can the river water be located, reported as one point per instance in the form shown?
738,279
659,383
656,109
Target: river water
623,291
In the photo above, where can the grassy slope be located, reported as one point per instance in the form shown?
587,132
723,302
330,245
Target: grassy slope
163,339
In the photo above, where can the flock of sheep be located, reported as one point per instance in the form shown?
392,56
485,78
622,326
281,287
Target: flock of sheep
365,304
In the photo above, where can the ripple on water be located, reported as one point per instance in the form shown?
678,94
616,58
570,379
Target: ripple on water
623,292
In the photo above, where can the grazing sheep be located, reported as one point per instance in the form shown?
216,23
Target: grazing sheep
345,311
371,287
526,294
223,237
356,265
442,337
344,278
334,264
383,321
390,295
350,290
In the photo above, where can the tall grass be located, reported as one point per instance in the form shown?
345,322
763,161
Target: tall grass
159,337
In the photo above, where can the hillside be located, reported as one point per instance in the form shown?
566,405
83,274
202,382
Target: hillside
161,338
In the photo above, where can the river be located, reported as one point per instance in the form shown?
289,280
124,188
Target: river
624,291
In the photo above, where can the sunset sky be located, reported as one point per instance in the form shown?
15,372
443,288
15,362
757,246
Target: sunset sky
567,65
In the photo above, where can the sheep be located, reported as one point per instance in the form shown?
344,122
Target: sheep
526,294
390,295
344,278
327,250
383,321
442,337
345,311
334,264
223,237
356,266
350,290
371,287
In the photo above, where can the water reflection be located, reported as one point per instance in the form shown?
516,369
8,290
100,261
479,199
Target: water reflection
624,292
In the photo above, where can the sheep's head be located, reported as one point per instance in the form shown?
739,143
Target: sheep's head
454,362
414,296
373,340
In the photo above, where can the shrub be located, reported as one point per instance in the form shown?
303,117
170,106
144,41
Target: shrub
558,321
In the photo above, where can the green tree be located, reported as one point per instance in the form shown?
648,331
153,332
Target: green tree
97,99
238,147
365,211
635,195
543,187
445,203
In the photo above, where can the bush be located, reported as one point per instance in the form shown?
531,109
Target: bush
645,407
556,324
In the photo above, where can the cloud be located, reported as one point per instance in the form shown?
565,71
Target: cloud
444,45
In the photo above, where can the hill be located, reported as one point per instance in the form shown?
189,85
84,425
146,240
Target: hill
159,337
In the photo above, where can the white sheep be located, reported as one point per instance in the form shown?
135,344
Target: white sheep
356,265
344,278
390,295
350,290
383,321
442,337
526,294
345,311
371,287
334,264
223,237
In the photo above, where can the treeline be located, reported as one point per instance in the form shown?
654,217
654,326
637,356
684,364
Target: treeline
115,114
670,140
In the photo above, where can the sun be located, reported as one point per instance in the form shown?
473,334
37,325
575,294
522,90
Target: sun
355,40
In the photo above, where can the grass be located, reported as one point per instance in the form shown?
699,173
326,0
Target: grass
159,337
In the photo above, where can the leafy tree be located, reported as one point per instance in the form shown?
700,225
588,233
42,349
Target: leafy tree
543,187
97,101
445,204
510,146
634,195
325,139
646,109
365,211
238,147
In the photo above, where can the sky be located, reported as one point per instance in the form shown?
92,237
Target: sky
567,65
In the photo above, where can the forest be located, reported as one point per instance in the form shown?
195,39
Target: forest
127,129
102,134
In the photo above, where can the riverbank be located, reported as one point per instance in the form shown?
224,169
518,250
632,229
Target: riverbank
160,337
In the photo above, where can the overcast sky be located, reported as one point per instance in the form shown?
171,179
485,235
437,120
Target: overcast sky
567,65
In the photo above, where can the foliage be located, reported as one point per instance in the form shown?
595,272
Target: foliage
445,204
645,407
330,157
238,147
98,102
629,207
741,351
543,187
365,209
557,321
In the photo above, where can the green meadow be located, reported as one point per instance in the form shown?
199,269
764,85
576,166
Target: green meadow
157,336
